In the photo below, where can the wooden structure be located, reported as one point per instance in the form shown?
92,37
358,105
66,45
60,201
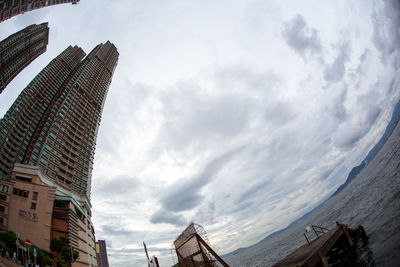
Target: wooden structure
328,247
193,250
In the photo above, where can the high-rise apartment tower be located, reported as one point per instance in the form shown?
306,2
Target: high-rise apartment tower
53,123
101,254
19,49
11,8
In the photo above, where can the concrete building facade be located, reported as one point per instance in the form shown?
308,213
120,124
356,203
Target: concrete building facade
53,123
11,8
47,144
19,49
40,211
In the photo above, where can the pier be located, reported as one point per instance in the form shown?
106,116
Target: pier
328,247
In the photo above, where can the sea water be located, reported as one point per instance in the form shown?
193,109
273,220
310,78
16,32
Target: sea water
372,200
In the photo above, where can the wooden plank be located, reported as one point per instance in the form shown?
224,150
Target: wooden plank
311,255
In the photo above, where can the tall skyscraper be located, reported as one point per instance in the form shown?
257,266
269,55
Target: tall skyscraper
11,8
47,143
53,123
19,49
101,254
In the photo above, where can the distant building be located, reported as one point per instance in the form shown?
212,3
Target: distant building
11,8
101,253
19,49
47,142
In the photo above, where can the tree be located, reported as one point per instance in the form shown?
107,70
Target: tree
9,238
62,251
44,257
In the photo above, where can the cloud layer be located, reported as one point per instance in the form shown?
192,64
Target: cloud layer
240,116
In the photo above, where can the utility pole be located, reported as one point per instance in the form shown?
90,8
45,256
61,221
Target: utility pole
147,255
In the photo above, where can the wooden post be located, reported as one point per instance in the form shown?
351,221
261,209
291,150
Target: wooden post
324,261
348,237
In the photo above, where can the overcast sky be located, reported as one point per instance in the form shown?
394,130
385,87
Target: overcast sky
238,115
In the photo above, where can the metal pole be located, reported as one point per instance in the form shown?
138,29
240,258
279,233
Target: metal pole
17,234
306,238
145,249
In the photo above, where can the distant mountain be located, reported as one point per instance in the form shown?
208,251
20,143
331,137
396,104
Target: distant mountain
265,239
353,173
375,150
235,251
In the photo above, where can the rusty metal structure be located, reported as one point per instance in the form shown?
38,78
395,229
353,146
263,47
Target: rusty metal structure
192,249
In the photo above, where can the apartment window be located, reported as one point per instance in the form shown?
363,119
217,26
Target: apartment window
4,188
24,179
2,209
35,194
61,204
33,206
3,197
21,192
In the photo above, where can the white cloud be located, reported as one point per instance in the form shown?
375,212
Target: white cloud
211,117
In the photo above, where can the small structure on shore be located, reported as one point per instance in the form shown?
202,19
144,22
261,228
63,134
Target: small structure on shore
192,249
328,247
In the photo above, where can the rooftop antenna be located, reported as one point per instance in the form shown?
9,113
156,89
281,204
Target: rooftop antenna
147,254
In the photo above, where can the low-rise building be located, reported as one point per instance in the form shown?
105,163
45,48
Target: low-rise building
35,206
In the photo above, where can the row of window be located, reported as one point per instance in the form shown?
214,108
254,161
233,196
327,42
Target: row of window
21,192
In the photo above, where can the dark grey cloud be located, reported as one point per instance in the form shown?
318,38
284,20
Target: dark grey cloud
166,216
206,215
185,195
367,111
125,251
116,231
279,113
349,136
363,59
301,38
386,23
323,172
340,111
336,107
242,206
117,185
361,68
252,191
204,117
335,71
